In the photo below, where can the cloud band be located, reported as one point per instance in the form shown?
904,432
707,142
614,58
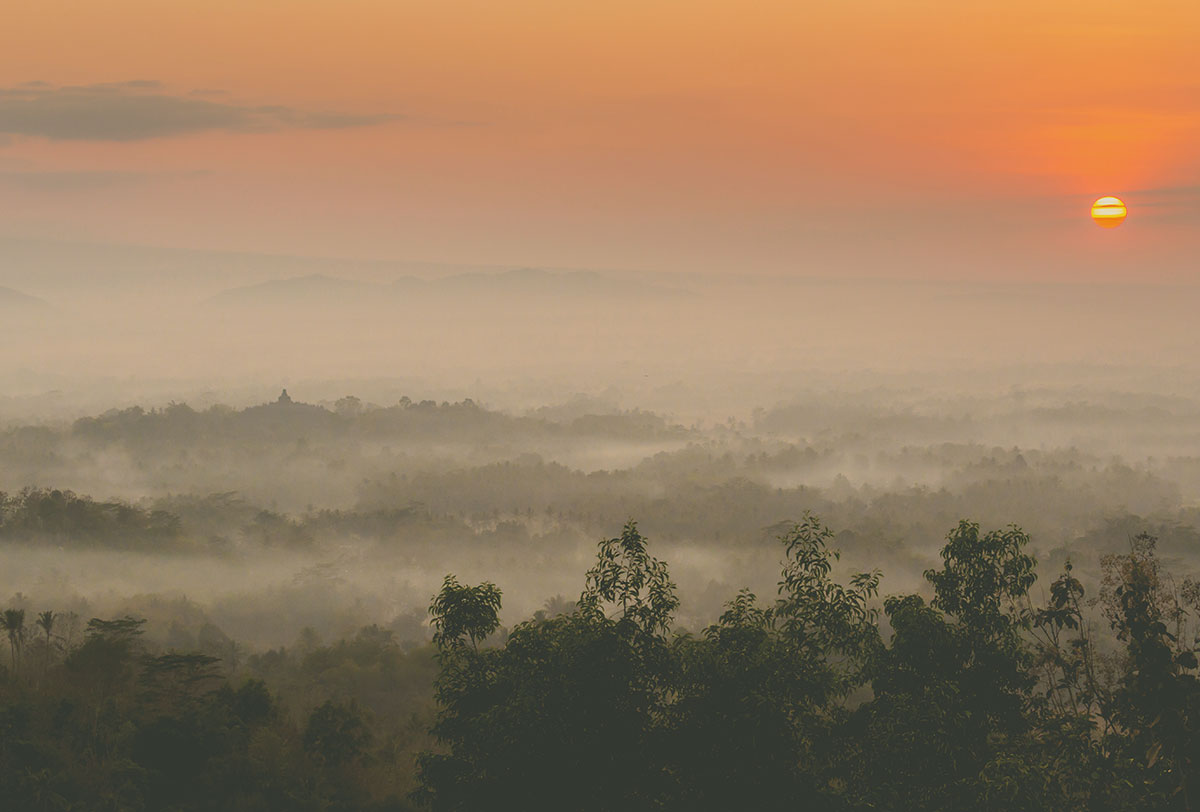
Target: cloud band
141,110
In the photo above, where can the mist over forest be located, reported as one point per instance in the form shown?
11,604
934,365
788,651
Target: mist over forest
353,510
244,479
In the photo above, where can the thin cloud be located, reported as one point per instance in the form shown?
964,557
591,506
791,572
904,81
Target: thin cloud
84,180
1176,205
1171,194
142,109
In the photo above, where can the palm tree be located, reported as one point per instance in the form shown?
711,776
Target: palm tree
13,622
45,620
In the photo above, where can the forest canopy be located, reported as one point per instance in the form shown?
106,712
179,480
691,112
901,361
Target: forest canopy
822,696
975,699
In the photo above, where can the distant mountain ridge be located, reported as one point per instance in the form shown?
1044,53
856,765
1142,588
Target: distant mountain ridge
297,287
10,298
80,268
524,282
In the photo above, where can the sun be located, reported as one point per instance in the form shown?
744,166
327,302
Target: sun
1109,212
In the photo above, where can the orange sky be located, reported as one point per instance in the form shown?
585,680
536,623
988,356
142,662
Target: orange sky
863,138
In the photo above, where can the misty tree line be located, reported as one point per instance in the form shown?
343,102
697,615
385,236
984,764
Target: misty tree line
420,476
823,697
285,418
66,517
714,499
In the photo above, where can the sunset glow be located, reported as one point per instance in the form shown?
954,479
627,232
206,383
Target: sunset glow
622,134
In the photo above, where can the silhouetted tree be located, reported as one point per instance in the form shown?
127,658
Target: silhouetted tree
13,623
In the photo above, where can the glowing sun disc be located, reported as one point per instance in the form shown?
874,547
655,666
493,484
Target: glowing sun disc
1109,212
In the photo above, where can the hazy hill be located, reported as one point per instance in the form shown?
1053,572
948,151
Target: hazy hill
13,300
544,282
300,289
523,283
80,269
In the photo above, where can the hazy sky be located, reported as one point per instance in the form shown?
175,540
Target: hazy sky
860,137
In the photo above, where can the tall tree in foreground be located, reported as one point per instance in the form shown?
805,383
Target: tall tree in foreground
760,693
951,691
566,714
1155,707
604,708
980,701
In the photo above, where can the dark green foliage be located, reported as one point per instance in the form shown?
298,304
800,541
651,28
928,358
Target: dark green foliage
547,721
967,697
743,712
113,725
984,578
980,701
1156,702
464,611
825,620
627,577
952,690
337,733
916,743
983,586
600,709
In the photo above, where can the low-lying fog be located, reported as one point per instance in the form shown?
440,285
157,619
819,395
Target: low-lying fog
496,423
272,518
